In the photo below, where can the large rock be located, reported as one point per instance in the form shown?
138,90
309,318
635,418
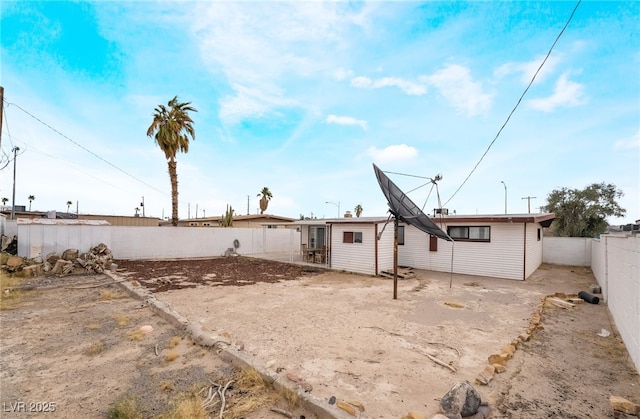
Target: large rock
52,258
623,405
70,254
14,263
462,399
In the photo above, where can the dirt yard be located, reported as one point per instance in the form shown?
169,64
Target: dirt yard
71,347
342,333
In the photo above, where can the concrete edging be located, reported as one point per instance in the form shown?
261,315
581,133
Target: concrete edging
238,358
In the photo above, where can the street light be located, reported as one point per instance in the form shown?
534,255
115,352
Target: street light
505,196
337,205
13,199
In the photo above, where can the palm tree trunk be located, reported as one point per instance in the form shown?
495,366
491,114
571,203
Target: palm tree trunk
173,175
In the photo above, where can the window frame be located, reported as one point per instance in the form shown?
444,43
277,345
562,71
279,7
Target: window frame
401,238
466,237
352,237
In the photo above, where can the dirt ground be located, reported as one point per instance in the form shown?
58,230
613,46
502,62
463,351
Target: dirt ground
70,347
342,333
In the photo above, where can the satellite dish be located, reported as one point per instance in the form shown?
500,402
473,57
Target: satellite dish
401,206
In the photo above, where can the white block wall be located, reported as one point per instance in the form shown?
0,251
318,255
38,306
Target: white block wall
621,257
599,263
37,240
574,251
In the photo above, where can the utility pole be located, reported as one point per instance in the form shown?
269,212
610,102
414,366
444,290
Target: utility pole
505,196
1,111
247,204
142,205
529,198
13,199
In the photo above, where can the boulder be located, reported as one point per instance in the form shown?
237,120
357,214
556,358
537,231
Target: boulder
623,405
52,258
462,399
70,254
14,263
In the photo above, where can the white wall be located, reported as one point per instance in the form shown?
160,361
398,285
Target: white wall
599,263
353,257
574,251
620,257
502,257
534,248
189,242
36,240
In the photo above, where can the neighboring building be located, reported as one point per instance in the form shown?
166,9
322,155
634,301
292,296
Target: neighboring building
243,221
503,246
114,220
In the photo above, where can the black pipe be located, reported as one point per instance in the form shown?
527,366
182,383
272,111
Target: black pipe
589,298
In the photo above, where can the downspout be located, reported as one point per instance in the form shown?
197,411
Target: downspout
524,256
375,247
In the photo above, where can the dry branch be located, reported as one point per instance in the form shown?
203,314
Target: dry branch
436,360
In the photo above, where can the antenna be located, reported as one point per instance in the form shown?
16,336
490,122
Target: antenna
403,209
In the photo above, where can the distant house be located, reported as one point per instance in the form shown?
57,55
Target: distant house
503,246
114,220
242,221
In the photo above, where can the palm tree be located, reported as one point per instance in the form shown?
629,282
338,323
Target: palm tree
171,128
266,195
358,210
31,198
5,200
69,203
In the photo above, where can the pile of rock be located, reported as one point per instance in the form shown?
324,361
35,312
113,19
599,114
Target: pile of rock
96,260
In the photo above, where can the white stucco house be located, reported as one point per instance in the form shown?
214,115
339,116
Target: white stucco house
503,246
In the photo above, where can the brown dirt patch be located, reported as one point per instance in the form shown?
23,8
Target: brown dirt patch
159,276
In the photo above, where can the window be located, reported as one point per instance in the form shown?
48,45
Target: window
433,243
400,235
475,234
351,237
539,233
193,224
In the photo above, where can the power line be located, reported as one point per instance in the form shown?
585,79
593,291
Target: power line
519,100
86,149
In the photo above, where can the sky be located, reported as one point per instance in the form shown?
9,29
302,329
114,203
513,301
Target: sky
303,97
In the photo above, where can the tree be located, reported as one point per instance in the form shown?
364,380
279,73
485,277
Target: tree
171,128
31,198
358,210
69,203
583,213
5,200
266,195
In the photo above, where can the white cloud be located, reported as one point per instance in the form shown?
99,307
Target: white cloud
346,120
392,153
528,68
628,143
263,47
342,74
408,87
457,86
567,93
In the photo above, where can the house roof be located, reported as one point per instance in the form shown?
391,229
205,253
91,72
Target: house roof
247,217
544,219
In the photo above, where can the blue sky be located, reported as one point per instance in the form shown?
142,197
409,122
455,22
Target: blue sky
303,97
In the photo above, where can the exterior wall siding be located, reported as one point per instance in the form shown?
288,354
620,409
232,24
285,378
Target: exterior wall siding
385,249
502,257
354,257
415,251
534,249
